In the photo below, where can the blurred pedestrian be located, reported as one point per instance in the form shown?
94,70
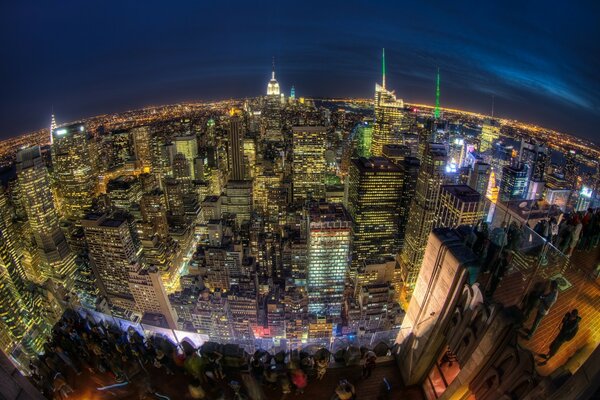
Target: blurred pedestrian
370,361
546,302
568,329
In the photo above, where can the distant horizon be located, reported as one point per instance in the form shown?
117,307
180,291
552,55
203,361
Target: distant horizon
60,121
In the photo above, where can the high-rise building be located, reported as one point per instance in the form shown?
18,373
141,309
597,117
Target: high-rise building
112,249
396,152
422,213
571,168
329,237
374,199
309,145
153,207
146,286
389,116
236,149
188,146
479,177
238,200
142,146
459,205
490,131
410,171
535,157
124,192
513,185
72,170
57,260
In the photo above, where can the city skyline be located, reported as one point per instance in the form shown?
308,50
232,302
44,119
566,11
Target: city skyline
129,67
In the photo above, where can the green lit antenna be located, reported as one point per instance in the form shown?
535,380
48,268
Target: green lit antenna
383,68
436,112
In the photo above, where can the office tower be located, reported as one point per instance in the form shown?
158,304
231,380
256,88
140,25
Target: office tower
146,286
364,137
308,169
72,170
513,185
490,131
275,313
212,316
182,170
243,307
374,199
389,115
425,134
459,205
571,168
238,200
329,236
223,264
422,213
410,171
16,308
479,177
236,149
112,249
57,260
142,146
396,152
295,303
175,193
535,157
124,192
188,146
153,207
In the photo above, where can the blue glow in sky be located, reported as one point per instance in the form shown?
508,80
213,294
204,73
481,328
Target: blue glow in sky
540,60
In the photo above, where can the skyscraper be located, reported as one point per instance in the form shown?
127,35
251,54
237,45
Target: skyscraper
112,249
490,131
459,205
188,146
389,115
513,185
422,213
329,237
236,149
146,286
57,260
479,177
309,145
72,170
374,199
410,171
535,157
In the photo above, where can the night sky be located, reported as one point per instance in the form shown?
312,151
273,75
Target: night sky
541,60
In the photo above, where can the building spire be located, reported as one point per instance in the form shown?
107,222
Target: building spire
273,72
383,68
436,112
52,125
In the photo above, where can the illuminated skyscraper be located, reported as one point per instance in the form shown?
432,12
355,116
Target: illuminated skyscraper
535,157
273,85
459,205
479,177
422,213
236,149
309,145
389,115
142,145
490,131
571,168
72,169
513,185
112,249
410,171
146,286
329,236
374,199
188,146
57,260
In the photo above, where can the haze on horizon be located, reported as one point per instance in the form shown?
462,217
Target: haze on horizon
538,59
